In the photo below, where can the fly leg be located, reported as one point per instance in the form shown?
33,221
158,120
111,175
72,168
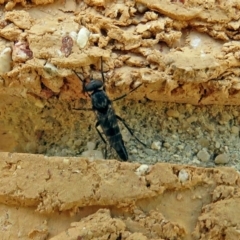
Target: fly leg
82,109
99,133
130,130
124,95
103,79
83,82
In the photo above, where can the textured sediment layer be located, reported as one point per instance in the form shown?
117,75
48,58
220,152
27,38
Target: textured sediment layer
176,133
182,51
73,198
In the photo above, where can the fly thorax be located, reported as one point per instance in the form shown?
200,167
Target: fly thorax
100,100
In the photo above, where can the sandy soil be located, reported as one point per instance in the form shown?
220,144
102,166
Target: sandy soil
185,55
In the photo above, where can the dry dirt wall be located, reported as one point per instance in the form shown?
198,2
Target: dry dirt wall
182,51
72,198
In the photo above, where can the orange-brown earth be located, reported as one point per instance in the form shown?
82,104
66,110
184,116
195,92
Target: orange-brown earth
181,52
74,198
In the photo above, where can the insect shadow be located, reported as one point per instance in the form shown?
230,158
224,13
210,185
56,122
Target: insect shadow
105,114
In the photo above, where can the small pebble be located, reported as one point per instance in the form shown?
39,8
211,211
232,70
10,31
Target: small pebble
82,37
179,197
142,170
175,137
5,59
141,7
173,113
180,147
203,155
126,136
183,175
50,68
156,145
167,145
222,158
195,161
226,148
134,151
217,145
235,130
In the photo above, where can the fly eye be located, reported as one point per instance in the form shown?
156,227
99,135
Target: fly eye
93,85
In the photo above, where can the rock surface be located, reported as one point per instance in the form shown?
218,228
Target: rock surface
72,198
181,52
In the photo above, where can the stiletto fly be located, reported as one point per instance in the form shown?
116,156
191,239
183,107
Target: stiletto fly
105,114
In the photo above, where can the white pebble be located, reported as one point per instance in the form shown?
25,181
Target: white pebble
195,42
226,148
203,155
142,170
156,145
82,37
5,60
141,7
50,68
221,159
183,175
195,160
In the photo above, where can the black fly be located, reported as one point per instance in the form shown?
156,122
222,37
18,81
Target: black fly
106,117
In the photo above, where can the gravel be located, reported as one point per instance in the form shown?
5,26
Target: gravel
203,155
176,133
221,159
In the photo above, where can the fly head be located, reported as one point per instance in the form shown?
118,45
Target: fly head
93,85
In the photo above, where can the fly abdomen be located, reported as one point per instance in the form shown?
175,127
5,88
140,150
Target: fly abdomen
121,150
117,143
114,136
